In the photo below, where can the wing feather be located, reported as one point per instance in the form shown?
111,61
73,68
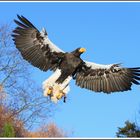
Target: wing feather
35,46
107,78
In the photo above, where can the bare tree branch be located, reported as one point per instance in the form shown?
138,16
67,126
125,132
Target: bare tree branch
24,96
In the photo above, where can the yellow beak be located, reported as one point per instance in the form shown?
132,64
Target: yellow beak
81,50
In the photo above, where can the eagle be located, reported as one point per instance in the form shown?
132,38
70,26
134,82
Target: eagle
36,47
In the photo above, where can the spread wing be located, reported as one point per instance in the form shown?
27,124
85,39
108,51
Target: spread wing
106,78
35,46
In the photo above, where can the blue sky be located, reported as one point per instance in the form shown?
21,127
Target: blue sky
111,33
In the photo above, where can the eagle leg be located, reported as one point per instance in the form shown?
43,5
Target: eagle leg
48,91
54,90
59,93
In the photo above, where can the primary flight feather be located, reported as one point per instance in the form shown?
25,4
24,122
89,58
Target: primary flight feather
37,49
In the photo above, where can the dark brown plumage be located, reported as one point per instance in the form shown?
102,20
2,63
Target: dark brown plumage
30,43
113,79
37,49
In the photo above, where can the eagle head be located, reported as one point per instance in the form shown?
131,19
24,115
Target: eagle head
79,51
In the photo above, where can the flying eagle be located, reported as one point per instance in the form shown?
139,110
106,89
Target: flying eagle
37,49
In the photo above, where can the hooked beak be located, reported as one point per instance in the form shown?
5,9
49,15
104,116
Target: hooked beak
81,50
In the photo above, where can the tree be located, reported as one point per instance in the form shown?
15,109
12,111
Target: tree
14,127
22,104
49,130
129,130
10,125
8,130
23,97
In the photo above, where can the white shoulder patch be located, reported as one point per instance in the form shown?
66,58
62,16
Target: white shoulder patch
97,66
52,46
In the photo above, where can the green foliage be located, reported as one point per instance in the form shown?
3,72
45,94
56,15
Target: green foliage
8,130
129,130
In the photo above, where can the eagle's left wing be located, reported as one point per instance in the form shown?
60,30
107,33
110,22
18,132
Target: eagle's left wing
35,46
106,78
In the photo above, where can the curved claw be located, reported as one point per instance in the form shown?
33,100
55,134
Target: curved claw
50,90
59,95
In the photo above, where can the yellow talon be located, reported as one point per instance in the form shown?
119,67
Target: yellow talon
50,90
59,95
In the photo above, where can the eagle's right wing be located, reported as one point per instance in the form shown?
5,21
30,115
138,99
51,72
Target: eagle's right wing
106,78
35,46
